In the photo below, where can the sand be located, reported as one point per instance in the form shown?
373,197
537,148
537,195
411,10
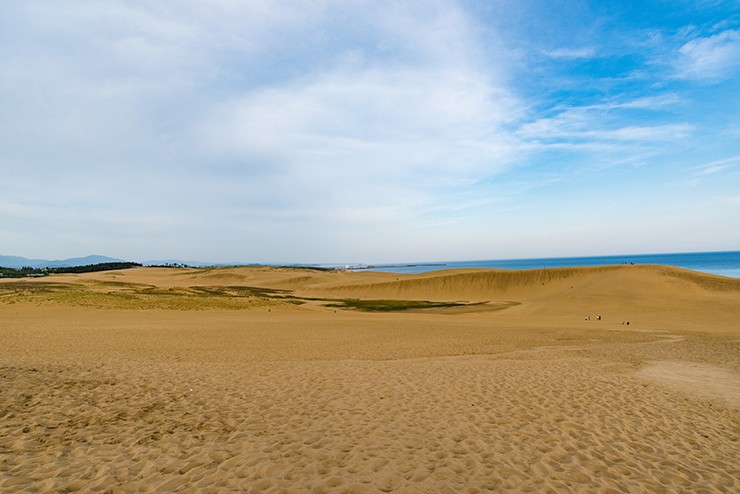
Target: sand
246,380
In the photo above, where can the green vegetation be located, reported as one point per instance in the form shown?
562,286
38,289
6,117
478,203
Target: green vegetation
111,294
32,288
120,295
392,305
27,272
305,268
21,272
239,291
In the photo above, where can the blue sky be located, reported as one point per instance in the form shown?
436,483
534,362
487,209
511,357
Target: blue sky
368,131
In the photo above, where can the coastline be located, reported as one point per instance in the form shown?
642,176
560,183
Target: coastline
723,263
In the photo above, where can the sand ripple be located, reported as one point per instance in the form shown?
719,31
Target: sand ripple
468,424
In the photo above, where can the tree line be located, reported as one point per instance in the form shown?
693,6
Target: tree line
90,268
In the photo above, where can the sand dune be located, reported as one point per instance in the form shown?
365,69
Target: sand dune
247,380
637,281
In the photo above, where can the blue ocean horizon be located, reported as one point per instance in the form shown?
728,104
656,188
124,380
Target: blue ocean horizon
726,263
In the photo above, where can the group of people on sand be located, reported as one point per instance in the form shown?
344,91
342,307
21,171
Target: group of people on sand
598,318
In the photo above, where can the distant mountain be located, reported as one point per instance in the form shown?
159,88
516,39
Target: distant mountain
20,262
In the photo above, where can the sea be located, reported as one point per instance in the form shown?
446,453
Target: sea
721,263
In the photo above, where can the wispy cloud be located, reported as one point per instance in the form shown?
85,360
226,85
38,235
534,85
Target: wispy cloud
645,103
572,53
709,58
717,166
596,123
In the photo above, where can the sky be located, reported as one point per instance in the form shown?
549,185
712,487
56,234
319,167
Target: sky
375,131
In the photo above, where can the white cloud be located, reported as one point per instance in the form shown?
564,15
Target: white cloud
572,53
650,133
588,124
367,137
364,109
387,128
644,103
710,58
717,166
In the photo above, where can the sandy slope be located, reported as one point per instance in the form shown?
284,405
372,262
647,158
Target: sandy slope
217,388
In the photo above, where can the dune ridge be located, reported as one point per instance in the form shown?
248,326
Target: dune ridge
476,283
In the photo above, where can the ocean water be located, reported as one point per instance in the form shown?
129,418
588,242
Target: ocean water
721,263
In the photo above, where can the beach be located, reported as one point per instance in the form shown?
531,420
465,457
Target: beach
592,379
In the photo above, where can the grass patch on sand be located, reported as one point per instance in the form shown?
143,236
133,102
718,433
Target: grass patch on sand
137,296
239,291
391,305
117,295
